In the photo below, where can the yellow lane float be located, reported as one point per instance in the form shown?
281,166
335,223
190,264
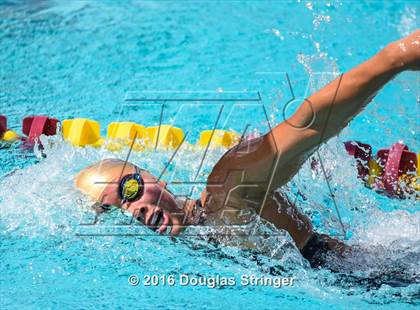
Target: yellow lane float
121,134
418,165
82,132
86,132
219,138
165,136
10,136
6,135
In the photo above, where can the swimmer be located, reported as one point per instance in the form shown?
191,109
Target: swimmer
248,176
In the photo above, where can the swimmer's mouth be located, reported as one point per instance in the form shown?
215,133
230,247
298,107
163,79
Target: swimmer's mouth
159,221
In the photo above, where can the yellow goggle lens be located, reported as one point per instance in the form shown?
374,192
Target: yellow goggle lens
131,188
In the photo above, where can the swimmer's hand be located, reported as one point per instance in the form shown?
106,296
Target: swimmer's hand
404,54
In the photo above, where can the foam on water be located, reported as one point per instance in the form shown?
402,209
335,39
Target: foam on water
49,210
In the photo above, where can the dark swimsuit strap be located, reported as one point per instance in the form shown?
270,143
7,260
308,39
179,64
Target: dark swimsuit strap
315,250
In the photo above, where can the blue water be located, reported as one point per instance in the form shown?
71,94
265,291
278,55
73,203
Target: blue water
88,59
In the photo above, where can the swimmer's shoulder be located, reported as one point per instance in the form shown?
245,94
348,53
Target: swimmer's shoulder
250,169
237,182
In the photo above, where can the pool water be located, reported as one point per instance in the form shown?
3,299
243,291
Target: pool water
94,59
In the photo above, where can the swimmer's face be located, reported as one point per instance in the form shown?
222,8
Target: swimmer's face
157,208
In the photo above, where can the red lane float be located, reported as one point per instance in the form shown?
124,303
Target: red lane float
35,126
399,163
362,153
392,171
3,125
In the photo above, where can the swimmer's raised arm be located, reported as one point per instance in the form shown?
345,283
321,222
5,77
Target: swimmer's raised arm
325,113
244,175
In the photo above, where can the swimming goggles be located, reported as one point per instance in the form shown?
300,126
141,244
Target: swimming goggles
131,188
